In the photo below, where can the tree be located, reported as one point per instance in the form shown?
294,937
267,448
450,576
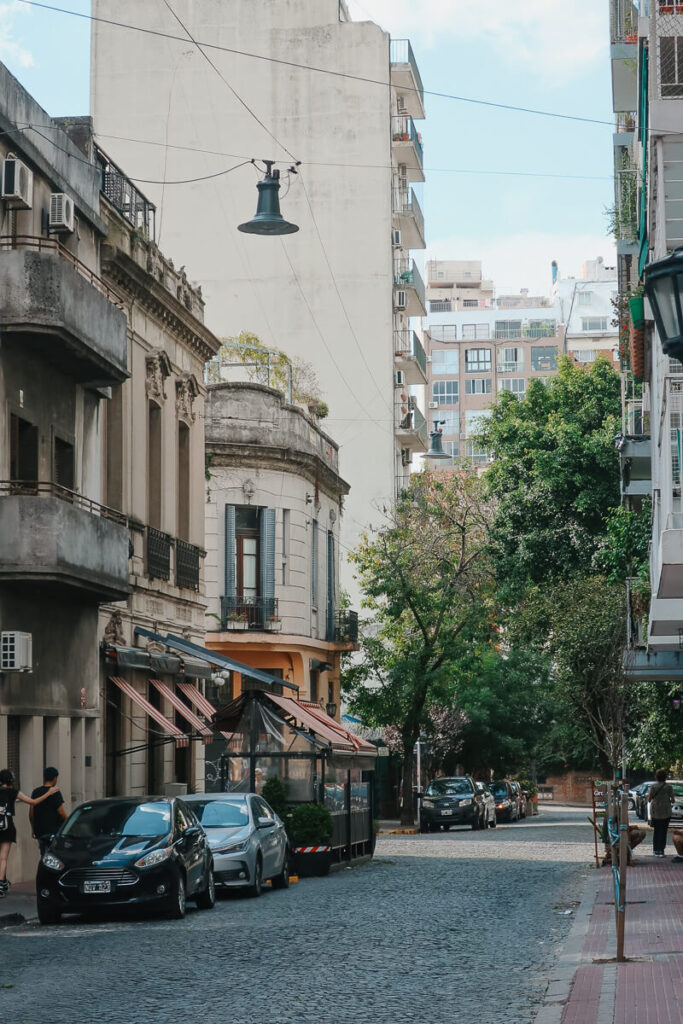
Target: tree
424,579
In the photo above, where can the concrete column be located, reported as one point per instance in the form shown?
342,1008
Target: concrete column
23,862
77,762
3,740
93,760
58,751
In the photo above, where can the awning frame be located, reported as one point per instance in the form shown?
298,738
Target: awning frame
181,738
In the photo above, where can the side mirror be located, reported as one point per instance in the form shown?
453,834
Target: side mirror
264,822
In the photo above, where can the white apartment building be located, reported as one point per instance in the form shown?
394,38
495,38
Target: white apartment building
586,308
340,293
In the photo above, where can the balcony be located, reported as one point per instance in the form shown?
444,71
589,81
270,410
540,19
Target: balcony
240,614
405,77
442,306
52,535
159,545
344,628
407,147
59,308
126,197
410,357
411,429
624,54
187,565
623,21
635,456
408,218
407,279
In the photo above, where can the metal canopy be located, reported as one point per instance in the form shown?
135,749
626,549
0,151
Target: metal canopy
642,666
187,647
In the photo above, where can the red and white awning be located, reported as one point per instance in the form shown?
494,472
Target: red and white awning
182,709
181,740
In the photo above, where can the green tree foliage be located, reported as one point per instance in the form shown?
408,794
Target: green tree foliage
275,794
424,580
624,551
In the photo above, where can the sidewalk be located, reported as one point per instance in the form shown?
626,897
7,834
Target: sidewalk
648,989
19,905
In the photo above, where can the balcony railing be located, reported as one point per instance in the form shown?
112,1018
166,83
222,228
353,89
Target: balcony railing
510,366
440,306
51,245
405,204
406,275
46,488
125,197
401,52
624,21
344,628
403,130
158,554
408,345
249,613
187,565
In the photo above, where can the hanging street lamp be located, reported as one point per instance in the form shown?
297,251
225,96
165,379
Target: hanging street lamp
664,289
268,220
435,447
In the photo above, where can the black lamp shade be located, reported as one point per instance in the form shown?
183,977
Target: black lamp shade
664,289
268,220
435,447
331,709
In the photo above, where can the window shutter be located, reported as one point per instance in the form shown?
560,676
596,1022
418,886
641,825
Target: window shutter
230,563
267,545
330,586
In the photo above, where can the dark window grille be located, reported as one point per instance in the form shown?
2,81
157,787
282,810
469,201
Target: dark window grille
345,628
187,565
249,613
158,554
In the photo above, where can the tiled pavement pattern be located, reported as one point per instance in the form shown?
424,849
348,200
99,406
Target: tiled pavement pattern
450,928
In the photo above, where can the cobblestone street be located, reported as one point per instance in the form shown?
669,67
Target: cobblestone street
459,927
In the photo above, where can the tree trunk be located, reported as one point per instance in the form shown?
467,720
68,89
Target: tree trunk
407,816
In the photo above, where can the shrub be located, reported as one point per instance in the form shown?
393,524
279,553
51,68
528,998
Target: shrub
310,825
275,794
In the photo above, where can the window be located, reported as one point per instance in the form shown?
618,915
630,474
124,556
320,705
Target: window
285,544
154,465
594,323
440,275
445,392
475,453
444,332
474,420
445,360
23,457
477,359
478,386
470,304
475,332
508,329
314,563
510,360
585,298
517,385
584,356
440,306
671,66
330,585
113,475
451,448
541,329
183,525
247,553
544,358
450,421
63,463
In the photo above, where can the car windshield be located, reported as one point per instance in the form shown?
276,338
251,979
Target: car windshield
678,789
443,787
126,818
498,789
221,813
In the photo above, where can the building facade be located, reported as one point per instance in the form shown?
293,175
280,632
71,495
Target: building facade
273,515
340,293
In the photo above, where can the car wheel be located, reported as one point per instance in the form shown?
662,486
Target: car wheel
492,822
281,881
206,899
256,886
48,913
475,824
178,901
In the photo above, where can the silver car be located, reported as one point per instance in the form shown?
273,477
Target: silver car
247,839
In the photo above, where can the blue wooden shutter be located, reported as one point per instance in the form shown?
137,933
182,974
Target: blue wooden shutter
314,563
330,586
230,560
267,545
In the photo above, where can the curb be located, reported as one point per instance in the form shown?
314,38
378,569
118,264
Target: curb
399,832
8,920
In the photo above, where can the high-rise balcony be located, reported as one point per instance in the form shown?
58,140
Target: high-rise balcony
60,309
624,54
410,358
408,218
411,427
405,77
408,282
407,147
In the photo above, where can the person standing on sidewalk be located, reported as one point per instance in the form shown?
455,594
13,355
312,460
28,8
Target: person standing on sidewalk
48,816
9,794
661,799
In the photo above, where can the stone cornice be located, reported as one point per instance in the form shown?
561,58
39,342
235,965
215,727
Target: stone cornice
281,458
141,287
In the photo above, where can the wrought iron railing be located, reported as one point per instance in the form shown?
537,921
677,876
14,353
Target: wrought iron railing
158,554
405,202
408,345
401,52
51,245
250,613
126,197
187,565
46,488
406,275
345,628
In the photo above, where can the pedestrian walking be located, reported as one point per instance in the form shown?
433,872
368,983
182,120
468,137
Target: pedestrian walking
661,798
48,816
9,794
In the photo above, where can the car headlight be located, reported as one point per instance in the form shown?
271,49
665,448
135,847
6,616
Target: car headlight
465,803
52,862
154,858
233,848
427,803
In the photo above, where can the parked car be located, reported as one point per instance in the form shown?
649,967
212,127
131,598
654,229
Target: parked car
507,805
632,799
489,804
521,799
124,852
453,801
642,792
247,839
677,807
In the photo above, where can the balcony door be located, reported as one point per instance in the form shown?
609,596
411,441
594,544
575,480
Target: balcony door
247,555
249,564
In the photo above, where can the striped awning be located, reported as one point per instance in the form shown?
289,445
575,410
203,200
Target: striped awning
204,706
182,709
181,740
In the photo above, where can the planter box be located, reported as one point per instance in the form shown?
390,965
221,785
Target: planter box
312,861
239,624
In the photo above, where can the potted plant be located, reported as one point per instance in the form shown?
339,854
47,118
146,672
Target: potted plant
237,620
273,623
310,831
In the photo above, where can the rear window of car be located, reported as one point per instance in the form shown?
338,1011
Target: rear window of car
449,787
499,788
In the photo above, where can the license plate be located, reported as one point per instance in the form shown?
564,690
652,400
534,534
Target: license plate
446,812
97,887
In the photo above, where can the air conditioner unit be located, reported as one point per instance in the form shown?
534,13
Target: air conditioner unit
396,238
61,212
463,437
17,183
406,456
16,654
399,379
433,405
401,299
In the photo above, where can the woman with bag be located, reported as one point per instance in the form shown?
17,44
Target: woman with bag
661,797
9,795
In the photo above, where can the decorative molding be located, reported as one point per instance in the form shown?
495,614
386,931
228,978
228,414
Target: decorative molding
157,369
113,631
186,390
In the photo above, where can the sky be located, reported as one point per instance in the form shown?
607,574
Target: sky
516,190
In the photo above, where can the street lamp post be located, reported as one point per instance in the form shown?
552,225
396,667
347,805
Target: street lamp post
664,289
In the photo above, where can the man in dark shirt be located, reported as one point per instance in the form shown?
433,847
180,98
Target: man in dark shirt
48,816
